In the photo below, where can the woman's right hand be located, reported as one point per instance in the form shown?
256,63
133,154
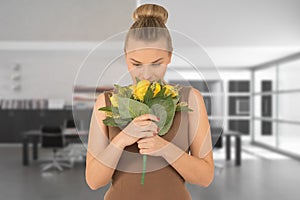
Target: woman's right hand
140,127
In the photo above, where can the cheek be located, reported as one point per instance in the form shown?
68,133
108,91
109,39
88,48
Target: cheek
133,70
161,70
129,67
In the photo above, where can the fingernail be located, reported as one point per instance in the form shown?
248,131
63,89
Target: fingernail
154,134
157,129
158,118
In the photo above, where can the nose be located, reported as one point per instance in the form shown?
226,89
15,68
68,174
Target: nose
147,73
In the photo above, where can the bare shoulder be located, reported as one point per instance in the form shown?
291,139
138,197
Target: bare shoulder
195,98
199,126
100,101
197,104
100,115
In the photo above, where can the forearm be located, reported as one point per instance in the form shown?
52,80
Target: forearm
193,169
100,167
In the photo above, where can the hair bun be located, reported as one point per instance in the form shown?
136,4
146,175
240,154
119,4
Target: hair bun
150,10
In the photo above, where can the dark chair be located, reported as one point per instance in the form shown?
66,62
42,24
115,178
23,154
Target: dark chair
70,126
69,123
216,134
52,137
76,150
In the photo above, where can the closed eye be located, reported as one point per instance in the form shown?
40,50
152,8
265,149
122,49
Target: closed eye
136,64
153,64
156,64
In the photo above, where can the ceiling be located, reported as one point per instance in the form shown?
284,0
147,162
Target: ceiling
234,33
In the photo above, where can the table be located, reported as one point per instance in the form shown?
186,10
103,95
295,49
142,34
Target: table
238,154
34,137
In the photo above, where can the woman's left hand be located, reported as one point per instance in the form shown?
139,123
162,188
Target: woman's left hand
152,145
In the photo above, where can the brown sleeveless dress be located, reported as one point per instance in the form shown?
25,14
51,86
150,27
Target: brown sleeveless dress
163,182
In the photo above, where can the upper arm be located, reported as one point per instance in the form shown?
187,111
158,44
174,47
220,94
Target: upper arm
199,127
98,134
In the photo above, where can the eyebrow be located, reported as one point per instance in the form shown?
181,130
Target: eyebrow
140,62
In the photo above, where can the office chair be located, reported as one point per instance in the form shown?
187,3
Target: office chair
69,123
52,137
75,150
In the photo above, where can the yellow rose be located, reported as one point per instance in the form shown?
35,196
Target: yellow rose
114,100
170,90
155,88
141,89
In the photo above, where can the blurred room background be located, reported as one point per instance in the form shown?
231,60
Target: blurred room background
251,92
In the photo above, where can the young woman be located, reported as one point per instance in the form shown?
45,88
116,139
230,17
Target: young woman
186,148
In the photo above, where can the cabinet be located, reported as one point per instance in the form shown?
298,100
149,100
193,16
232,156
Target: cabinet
239,106
15,121
266,107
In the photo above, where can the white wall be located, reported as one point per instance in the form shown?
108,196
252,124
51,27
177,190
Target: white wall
64,20
51,74
236,22
211,23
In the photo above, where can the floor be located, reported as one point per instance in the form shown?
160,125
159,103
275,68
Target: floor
263,175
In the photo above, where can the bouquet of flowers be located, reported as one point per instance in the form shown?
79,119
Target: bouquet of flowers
144,97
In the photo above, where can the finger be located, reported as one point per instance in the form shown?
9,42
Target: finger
152,127
146,140
144,123
143,145
146,134
142,140
144,151
147,117
129,133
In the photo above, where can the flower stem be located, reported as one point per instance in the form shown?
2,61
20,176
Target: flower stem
144,168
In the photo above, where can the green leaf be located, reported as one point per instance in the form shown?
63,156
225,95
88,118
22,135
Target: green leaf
160,82
106,108
109,121
117,122
183,108
118,87
123,91
129,108
179,96
164,108
175,99
121,123
148,95
161,93
137,79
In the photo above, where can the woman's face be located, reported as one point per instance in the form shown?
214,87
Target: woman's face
148,63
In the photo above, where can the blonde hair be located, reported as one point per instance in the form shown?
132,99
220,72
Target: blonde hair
149,25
